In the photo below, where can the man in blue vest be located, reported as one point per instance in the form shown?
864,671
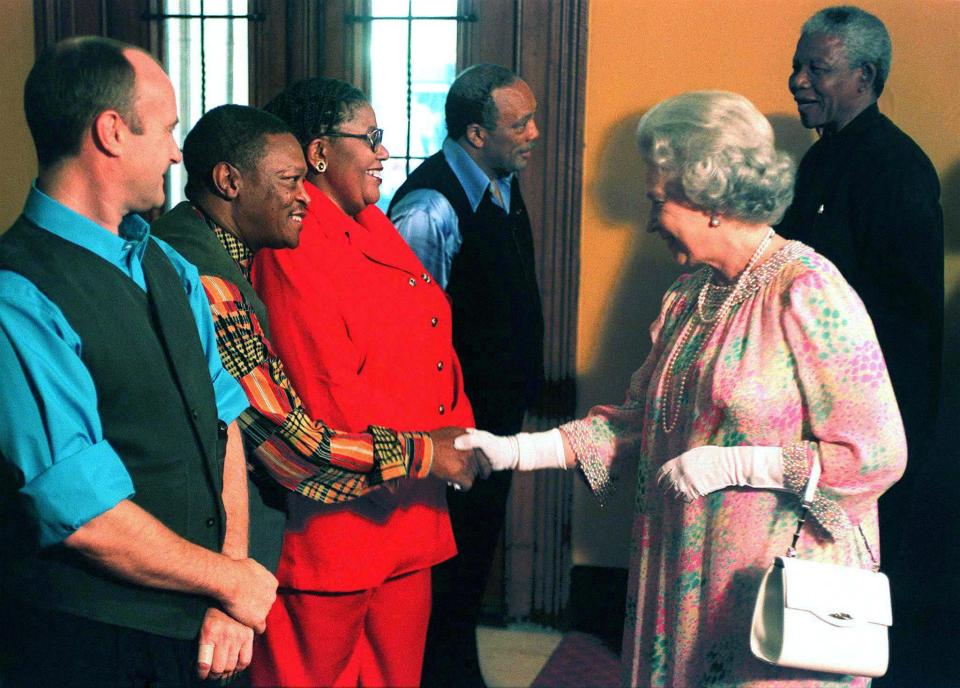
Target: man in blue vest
127,462
462,213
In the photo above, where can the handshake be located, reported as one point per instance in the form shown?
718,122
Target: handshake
460,455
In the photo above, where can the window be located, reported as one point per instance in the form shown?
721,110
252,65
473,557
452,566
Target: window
412,58
207,58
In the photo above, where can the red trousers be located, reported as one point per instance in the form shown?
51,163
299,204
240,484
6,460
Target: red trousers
368,638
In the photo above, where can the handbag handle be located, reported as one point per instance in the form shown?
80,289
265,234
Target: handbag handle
808,496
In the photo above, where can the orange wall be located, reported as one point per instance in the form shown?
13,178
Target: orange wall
641,52
19,160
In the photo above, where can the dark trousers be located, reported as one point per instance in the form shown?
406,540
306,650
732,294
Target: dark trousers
920,548
52,649
451,659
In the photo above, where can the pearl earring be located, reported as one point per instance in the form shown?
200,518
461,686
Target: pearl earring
714,220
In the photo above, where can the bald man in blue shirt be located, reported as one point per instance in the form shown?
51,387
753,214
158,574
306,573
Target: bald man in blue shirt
122,440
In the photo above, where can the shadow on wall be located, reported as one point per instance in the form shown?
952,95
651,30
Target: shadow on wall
619,191
790,135
620,195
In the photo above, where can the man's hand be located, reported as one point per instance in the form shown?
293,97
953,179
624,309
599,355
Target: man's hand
225,646
248,592
451,465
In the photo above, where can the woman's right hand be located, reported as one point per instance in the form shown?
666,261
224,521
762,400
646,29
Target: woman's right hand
502,453
522,452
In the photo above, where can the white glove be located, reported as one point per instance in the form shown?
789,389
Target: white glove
522,452
703,470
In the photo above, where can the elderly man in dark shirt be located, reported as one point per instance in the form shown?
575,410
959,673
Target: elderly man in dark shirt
868,198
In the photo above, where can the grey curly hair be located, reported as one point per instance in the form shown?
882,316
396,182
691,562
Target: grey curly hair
715,150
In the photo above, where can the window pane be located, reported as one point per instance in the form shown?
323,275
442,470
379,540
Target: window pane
388,81
434,8
433,70
388,8
408,88
418,8
227,72
394,174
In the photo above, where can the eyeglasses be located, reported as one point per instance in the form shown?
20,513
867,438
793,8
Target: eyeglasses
373,137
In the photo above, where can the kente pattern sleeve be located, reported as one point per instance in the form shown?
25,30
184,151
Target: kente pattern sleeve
301,453
227,393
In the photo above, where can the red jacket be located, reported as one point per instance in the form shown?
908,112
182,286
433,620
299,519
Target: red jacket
365,335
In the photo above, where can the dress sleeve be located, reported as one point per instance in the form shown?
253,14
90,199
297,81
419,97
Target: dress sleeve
611,431
302,453
851,414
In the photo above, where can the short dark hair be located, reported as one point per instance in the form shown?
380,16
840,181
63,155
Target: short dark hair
235,134
313,107
470,100
69,85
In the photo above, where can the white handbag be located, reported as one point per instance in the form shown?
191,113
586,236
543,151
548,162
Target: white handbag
819,616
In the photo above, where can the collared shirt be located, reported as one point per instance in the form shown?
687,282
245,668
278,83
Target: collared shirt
71,473
302,454
429,224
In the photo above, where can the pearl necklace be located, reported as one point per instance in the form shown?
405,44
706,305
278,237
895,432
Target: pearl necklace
670,403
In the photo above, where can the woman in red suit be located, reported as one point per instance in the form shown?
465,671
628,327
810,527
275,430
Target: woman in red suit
365,335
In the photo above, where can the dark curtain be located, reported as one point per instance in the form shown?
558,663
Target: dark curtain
545,42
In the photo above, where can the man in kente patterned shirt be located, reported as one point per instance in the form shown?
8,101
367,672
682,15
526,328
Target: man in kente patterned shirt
245,189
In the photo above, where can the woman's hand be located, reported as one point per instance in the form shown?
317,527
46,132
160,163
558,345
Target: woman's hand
522,452
700,471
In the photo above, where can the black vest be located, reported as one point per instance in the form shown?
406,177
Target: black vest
158,411
497,316
190,236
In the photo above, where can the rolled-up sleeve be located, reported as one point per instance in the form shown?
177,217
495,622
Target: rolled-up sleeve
49,426
75,489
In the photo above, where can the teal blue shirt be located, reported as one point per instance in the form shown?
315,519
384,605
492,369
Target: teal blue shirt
49,425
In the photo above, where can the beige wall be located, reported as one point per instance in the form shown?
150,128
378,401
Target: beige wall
641,52
19,160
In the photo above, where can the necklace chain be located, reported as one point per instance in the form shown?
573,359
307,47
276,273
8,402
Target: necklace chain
741,281
670,398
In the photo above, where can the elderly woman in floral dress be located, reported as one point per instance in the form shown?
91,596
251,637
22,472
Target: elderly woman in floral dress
764,363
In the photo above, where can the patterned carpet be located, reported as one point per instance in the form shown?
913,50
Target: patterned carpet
581,660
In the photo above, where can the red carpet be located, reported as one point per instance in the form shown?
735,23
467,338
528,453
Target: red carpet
581,660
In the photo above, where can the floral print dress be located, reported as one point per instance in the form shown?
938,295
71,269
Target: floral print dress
796,365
